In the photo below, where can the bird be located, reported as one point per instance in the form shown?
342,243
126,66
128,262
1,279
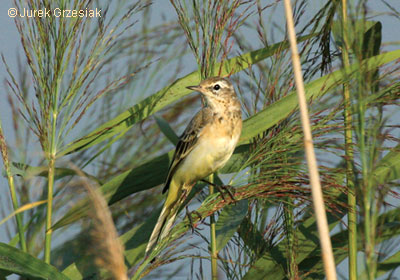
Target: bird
205,146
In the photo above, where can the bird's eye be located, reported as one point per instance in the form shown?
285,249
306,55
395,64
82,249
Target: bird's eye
217,87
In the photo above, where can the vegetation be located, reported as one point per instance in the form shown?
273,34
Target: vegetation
96,105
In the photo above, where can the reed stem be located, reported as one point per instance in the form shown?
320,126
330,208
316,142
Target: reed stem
323,229
214,253
368,195
290,232
10,178
50,186
351,198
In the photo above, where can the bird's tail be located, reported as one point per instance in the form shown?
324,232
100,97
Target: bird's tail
166,219
164,224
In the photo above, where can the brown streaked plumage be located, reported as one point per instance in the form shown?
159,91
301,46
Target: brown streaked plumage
204,147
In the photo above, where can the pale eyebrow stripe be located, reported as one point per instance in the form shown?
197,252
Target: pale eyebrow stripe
224,83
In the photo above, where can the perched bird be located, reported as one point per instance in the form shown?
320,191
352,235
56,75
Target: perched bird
205,146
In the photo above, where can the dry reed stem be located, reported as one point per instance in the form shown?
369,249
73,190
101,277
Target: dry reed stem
323,229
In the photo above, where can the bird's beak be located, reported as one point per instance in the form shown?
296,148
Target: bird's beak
194,88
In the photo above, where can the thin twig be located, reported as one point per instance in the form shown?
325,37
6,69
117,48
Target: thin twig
323,230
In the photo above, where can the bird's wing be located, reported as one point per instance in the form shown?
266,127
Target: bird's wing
187,141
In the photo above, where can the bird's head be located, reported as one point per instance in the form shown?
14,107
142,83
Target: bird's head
216,90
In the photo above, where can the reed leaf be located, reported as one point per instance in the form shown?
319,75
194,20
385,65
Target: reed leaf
229,221
13,260
388,168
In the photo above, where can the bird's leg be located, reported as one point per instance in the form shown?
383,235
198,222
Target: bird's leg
189,216
228,189
221,189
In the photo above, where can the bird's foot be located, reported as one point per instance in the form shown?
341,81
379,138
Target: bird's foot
223,189
190,218
227,189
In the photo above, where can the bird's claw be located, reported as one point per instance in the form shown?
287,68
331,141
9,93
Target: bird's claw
224,188
227,189
189,215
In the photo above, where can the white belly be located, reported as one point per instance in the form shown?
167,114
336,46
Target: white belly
206,158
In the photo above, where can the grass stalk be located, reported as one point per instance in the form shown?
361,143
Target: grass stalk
368,194
10,178
367,198
369,225
50,186
214,253
290,233
349,155
322,223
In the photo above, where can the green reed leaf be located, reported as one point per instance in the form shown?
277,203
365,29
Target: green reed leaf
13,260
166,130
388,168
229,221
